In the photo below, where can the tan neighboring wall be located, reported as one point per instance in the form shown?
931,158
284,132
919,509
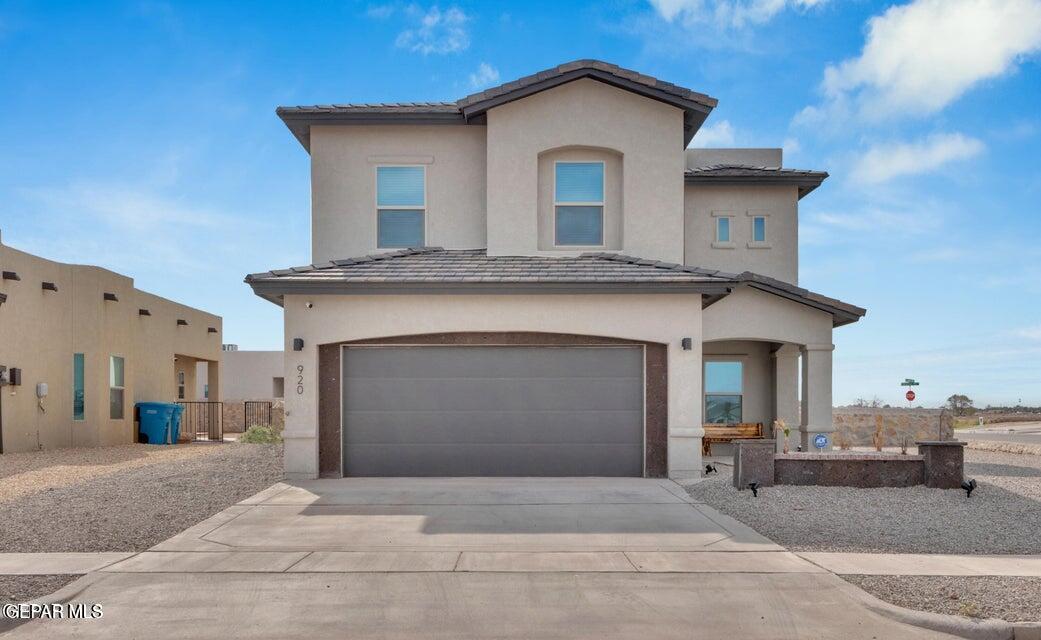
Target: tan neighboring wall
343,184
42,330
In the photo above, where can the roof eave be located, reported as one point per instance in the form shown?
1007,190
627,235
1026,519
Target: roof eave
841,315
300,122
805,184
274,289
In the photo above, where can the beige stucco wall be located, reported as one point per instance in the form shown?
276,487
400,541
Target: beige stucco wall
750,314
778,257
43,329
665,318
613,180
248,375
586,113
343,184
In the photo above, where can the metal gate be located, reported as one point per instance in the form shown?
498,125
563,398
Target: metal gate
203,421
256,413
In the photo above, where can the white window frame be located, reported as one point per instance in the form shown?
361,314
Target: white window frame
752,243
602,204
376,199
743,360
716,242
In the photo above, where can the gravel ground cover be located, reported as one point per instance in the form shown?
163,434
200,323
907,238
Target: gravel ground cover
1001,517
29,588
1008,598
124,498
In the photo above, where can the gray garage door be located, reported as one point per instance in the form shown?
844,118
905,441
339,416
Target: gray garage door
493,411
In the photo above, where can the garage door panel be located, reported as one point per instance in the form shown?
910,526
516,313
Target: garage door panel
493,460
489,394
561,427
492,410
508,362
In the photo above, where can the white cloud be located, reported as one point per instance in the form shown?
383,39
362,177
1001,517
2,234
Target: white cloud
938,255
791,146
435,31
921,56
486,75
1030,333
719,134
726,14
883,162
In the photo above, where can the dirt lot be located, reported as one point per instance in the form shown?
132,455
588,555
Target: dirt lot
1001,517
125,498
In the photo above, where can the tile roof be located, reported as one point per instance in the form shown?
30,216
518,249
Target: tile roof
805,179
430,268
696,106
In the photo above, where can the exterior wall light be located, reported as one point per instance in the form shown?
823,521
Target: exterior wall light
687,344
298,344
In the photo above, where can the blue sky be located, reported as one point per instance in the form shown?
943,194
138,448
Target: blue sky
141,136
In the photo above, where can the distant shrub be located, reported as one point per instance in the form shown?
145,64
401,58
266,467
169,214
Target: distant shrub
261,434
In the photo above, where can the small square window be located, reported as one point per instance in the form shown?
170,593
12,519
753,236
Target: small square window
723,229
759,229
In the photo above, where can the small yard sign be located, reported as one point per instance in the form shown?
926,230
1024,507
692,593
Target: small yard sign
820,441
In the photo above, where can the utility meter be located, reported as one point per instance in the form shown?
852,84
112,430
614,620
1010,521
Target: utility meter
41,389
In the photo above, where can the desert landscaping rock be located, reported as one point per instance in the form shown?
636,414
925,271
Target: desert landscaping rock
1001,517
124,498
28,588
1015,599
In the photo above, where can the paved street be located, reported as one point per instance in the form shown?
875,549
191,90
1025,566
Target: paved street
1021,432
463,558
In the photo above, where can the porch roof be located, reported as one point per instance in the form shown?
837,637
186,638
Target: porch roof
431,270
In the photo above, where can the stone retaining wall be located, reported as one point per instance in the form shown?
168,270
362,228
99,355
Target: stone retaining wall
856,426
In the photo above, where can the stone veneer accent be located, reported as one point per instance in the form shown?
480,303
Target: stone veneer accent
655,391
864,470
754,462
944,463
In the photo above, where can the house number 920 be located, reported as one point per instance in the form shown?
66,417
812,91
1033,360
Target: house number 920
299,379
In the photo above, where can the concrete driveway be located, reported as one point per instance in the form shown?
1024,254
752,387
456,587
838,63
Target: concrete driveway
469,558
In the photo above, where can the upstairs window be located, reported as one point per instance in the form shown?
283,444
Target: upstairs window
400,207
723,392
759,229
578,201
723,229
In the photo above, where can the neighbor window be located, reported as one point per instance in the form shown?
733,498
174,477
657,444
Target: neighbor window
400,207
578,201
723,229
115,388
77,386
180,385
758,229
723,391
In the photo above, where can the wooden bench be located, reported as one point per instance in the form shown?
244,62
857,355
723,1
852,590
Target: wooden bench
729,433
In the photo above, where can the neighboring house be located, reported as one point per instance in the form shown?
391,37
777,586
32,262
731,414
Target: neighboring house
540,279
87,345
249,375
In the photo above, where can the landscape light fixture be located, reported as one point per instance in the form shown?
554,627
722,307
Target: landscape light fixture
710,469
754,486
969,486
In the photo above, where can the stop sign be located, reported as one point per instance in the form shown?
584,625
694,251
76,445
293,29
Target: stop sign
909,395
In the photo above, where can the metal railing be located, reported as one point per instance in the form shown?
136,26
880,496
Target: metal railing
202,421
256,412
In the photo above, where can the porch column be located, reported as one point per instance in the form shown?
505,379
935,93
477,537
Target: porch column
816,394
213,380
685,397
786,392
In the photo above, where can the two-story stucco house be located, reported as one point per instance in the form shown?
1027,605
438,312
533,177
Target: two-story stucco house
541,279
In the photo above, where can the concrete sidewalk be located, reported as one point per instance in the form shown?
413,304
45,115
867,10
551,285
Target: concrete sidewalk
28,564
916,564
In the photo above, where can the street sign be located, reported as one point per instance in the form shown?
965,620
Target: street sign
909,382
909,395
820,441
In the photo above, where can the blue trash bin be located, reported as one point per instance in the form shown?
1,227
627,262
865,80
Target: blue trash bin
175,422
154,426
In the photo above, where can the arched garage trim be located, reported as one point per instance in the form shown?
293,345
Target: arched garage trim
655,386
